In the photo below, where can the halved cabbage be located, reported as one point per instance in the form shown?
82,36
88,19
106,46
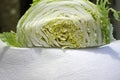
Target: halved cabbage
65,24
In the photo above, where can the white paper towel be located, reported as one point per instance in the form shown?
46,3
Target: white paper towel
102,63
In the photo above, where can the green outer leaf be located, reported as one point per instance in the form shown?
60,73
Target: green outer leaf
10,39
104,9
115,13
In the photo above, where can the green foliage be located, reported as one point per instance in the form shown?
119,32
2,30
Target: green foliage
10,38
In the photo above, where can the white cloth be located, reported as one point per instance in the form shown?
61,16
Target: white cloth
101,63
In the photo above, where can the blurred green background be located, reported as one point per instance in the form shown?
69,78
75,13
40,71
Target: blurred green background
12,10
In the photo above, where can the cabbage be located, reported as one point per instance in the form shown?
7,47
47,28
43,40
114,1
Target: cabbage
65,24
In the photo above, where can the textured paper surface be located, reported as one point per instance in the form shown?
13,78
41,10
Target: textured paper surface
101,63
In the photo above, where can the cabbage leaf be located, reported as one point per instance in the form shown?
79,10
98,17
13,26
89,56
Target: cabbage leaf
10,39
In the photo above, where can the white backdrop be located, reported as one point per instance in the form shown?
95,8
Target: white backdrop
102,63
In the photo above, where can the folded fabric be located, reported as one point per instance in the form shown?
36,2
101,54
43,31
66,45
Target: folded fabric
97,63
